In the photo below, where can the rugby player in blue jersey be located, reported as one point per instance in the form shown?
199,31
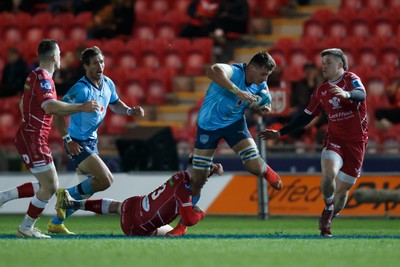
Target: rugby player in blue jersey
232,89
80,138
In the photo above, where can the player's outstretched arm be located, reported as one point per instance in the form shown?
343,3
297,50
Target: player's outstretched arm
60,108
298,123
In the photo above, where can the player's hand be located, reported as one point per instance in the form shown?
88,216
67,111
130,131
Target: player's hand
90,106
137,111
218,169
337,91
262,111
246,96
74,148
269,134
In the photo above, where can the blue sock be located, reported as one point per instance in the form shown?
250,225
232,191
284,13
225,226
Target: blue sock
87,187
74,192
57,220
195,200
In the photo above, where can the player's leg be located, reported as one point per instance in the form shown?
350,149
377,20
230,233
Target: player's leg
254,164
41,165
240,140
204,148
349,173
331,163
22,191
344,183
202,160
48,180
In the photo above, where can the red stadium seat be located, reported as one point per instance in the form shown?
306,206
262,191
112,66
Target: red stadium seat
353,4
159,5
134,84
180,5
313,29
34,33
141,6
57,33
271,8
338,27
376,4
390,55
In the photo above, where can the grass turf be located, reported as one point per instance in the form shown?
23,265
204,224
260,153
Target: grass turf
216,241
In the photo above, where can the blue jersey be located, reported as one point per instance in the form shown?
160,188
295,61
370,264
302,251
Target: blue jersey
221,107
84,125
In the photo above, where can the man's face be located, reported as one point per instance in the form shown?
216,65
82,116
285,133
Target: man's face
331,67
95,68
57,57
257,74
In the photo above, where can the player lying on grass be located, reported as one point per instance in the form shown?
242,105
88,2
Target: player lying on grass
150,214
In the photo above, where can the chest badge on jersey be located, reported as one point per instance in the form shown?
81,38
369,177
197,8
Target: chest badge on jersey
335,102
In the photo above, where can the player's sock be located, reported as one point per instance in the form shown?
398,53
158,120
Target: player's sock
82,190
57,220
195,199
329,202
99,206
22,191
27,189
36,207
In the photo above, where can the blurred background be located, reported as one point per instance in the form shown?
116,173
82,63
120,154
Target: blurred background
156,52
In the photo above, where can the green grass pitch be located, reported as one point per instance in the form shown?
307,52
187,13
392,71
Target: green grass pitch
215,241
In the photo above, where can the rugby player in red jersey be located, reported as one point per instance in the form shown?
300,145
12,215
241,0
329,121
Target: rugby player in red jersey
38,104
151,214
342,97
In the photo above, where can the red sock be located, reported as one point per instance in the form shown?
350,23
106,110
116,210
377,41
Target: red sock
94,205
26,190
34,211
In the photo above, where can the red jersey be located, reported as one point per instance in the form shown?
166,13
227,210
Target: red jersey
39,89
143,215
347,119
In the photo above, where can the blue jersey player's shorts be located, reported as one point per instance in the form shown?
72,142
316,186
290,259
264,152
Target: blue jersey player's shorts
89,148
232,134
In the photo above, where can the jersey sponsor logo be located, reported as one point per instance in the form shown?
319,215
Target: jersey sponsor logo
171,181
335,102
323,93
204,138
146,203
27,87
356,83
45,85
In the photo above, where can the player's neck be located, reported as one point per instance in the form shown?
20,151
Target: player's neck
49,67
337,76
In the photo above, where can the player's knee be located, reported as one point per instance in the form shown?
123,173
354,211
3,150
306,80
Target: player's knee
251,160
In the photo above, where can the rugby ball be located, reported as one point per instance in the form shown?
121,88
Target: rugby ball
263,98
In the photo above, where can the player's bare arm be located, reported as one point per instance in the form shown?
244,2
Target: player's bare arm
60,108
221,74
122,109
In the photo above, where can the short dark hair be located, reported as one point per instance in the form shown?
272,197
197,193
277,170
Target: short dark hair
46,49
88,53
263,59
338,53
